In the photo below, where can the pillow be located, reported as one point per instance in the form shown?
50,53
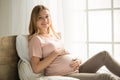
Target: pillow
56,78
25,71
22,47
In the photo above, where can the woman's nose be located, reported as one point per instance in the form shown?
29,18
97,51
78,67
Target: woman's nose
45,19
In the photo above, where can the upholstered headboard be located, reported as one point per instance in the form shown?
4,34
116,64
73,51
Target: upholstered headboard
8,58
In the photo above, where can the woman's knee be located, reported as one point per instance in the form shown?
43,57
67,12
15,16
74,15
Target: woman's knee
104,53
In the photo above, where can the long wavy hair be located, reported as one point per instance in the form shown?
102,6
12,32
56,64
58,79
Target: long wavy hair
33,30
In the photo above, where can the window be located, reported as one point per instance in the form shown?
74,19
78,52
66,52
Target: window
91,26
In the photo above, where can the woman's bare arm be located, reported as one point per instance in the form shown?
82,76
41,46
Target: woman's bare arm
39,65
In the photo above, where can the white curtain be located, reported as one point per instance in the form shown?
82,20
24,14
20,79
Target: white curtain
15,15
74,27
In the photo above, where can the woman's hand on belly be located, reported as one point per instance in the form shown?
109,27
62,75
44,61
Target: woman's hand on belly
75,64
60,51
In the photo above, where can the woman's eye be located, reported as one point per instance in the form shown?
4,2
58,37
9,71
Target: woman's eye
42,18
39,17
47,16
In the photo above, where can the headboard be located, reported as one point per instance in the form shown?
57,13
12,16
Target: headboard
8,58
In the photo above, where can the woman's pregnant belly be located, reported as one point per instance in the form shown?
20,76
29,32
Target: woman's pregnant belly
60,66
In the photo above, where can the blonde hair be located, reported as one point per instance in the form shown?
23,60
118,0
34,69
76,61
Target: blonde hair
33,30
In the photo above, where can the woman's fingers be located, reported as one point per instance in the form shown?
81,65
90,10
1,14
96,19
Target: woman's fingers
60,51
75,63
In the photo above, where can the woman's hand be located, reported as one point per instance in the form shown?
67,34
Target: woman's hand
59,51
75,64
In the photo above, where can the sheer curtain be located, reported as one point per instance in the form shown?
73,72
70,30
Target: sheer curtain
14,16
75,27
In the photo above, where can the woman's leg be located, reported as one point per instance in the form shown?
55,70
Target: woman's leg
92,76
97,61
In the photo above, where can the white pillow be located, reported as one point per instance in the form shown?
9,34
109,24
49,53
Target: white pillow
26,73
56,78
22,47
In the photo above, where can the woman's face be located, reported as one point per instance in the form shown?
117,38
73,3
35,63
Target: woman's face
43,21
